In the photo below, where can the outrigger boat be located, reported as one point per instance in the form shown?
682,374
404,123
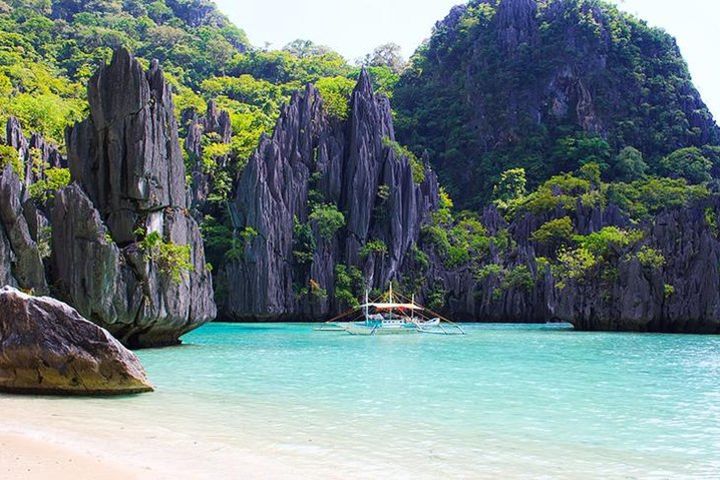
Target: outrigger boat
392,318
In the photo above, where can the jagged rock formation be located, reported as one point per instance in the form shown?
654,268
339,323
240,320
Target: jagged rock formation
130,186
20,261
285,273
638,301
287,267
36,153
46,347
634,298
501,82
214,122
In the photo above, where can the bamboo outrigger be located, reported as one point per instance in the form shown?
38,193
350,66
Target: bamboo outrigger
392,318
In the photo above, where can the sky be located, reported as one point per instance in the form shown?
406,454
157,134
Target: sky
355,27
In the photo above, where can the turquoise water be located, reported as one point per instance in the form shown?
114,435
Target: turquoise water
514,401
509,402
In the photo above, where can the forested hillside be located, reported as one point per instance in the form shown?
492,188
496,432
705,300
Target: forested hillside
570,144
549,86
49,49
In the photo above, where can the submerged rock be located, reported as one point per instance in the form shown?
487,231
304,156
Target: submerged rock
46,347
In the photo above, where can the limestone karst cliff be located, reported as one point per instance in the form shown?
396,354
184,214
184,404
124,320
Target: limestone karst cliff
509,83
332,203
680,292
293,264
20,259
314,171
121,231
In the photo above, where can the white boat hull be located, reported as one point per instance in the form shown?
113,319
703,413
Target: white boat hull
368,330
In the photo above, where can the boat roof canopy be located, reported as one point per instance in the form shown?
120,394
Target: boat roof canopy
390,306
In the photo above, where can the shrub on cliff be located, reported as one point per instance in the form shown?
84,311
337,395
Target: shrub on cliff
10,156
687,163
608,242
55,179
172,259
555,233
327,219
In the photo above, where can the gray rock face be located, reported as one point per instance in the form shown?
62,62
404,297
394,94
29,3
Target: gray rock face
126,155
315,159
14,136
20,262
130,184
46,347
635,298
516,23
37,154
214,122
49,153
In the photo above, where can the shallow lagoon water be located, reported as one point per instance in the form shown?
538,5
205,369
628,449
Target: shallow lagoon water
503,401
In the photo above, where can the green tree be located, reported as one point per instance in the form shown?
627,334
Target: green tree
512,186
55,179
335,92
373,247
576,151
305,48
349,284
609,242
386,55
688,163
10,156
555,233
628,166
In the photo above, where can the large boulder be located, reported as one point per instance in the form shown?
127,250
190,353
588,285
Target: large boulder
46,347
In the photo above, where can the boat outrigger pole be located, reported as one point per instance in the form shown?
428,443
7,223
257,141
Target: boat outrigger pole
367,302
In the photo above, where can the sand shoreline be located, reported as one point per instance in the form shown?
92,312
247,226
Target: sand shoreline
35,455
48,439
42,455
23,456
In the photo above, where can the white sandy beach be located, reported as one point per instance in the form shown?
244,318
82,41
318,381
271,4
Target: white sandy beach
25,457
41,440
29,456
44,438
